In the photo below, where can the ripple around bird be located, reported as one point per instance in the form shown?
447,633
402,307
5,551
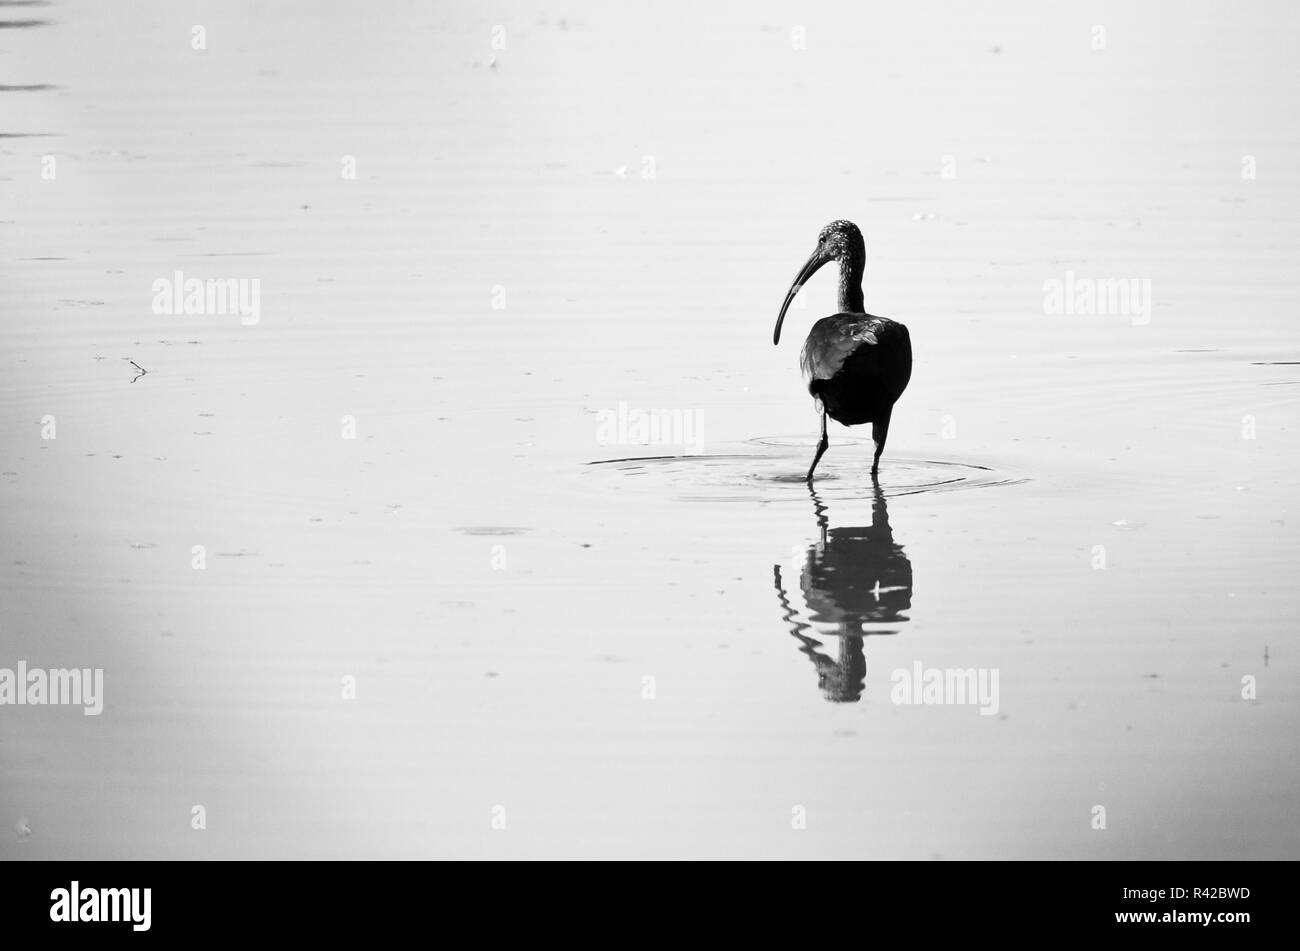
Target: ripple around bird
773,469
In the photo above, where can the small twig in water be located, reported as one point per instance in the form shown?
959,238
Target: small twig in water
142,370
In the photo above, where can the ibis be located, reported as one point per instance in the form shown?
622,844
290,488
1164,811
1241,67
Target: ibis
857,365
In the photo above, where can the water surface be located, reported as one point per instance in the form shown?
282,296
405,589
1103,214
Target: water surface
652,650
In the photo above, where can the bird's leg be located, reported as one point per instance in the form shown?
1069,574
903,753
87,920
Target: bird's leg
879,430
821,448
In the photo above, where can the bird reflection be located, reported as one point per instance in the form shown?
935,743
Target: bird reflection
857,579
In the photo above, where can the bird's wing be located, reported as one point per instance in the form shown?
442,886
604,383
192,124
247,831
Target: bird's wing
834,338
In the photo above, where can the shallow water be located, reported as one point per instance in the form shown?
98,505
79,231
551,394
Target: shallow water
767,470
615,648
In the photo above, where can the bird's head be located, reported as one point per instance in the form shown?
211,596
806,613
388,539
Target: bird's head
839,241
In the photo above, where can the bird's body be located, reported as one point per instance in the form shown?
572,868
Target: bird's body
857,365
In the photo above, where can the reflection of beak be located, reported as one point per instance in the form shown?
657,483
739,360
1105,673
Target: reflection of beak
819,257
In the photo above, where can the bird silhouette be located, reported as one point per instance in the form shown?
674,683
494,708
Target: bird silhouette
857,365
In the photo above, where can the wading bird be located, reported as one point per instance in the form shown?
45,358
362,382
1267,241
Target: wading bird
857,365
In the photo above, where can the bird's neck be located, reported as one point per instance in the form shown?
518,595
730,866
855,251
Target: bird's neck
851,288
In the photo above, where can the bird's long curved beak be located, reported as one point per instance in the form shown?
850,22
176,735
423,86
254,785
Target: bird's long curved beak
819,257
